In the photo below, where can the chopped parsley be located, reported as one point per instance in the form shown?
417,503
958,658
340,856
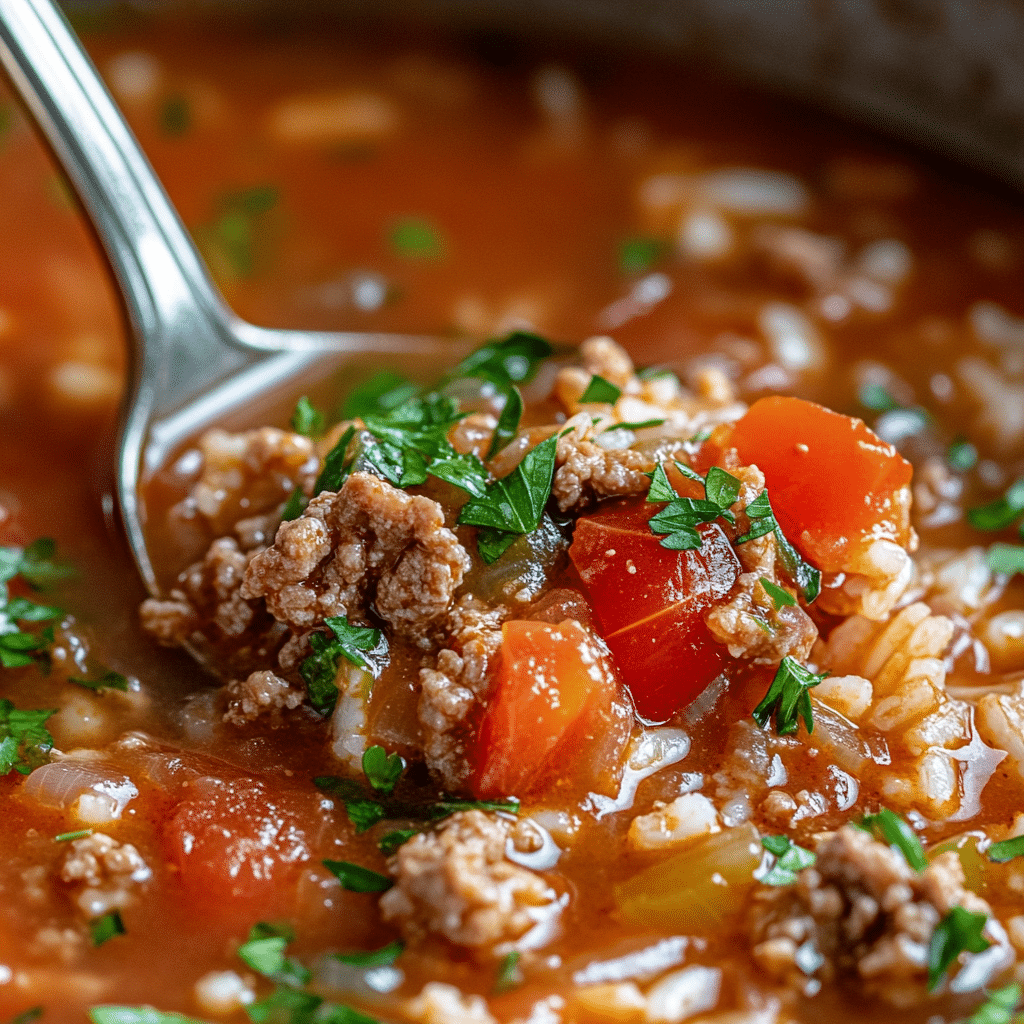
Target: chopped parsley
679,519
780,598
998,1007
136,1015
106,927
36,566
1001,513
638,255
384,391
958,932
877,398
509,975
294,506
356,878
175,115
790,859
763,521
307,419
264,952
600,390
508,422
787,699
513,505
383,957
391,841
892,829
25,743
232,240
961,455
1005,558
382,770
320,669
70,837
513,359
415,238
110,680
336,466
1007,850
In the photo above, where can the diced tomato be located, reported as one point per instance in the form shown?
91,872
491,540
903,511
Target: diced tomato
551,681
650,603
831,480
239,849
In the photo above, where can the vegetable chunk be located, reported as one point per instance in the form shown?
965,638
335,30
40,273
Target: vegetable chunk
650,603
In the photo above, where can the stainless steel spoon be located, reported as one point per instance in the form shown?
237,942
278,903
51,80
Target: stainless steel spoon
192,361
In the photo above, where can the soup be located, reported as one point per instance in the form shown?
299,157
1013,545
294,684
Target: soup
658,660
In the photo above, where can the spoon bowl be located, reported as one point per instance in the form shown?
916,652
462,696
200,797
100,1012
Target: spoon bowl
192,361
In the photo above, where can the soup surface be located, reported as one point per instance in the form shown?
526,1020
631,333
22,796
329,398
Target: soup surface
659,660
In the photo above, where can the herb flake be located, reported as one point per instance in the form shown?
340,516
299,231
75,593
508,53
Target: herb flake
600,390
1007,850
960,931
104,928
788,699
790,859
891,828
356,878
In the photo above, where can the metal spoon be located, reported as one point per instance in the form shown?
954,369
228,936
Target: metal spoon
192,361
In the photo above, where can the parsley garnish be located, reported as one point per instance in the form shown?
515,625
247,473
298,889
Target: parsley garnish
36,567
505,361
235,231
307,419
320,669
106,927
1007,850
789,860
998,1007
1005,558
1001,513
877,397
264,952
337,465
780,598
382,770
638,255
890,827
137,1015
389,843
383,957
356,878
961,455
69,837
787,699
508,422
294,506
958,932
803,574
110,680
680,518
514,504
509,975
600,390
416,239
24,743
383,391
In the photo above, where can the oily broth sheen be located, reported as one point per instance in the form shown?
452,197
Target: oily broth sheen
531,211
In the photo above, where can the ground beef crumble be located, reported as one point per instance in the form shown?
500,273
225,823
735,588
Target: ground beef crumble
456,882
102,873
368,545
860,914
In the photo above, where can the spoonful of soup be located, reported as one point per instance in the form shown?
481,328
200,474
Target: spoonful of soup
192,360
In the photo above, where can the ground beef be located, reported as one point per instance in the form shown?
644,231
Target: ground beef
455,685
456,882
368,545
585,472
102,873
260,693
860,914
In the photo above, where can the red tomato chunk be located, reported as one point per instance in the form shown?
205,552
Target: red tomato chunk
650,603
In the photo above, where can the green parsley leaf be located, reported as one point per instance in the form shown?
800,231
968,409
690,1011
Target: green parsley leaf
1005,558
110,680
508,422
661,488
36,564
790,859
307,419
356,878
383,957
295,505
466,472
787,699
1006,850
509,975
876,397
961,455
514,504
320,669
505,361
232,238
1001,513
400,466
998,1007
24,743
763,521
106,927
679,520
23,610
175,115
720,487
137,1015
637,425
416,239
780,598
353,640
958,932
382,770
70,837
286,1005
445,807
600,390
364,814
384,391
638,255
264,949
888,825
347,789
337,465
389,843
